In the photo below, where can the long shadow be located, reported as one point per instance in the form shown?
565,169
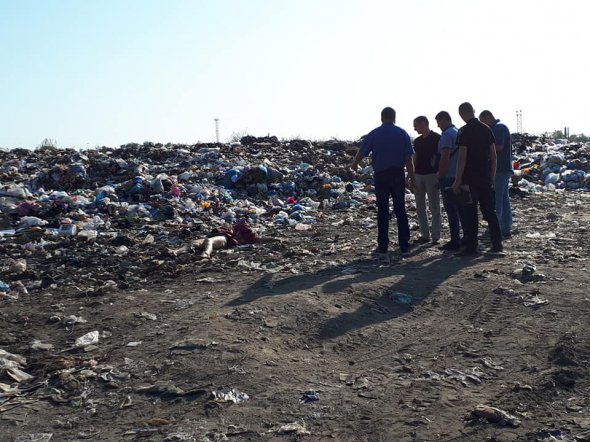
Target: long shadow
266,286
419,280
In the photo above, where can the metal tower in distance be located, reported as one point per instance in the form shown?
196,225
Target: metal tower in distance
519,121
216,129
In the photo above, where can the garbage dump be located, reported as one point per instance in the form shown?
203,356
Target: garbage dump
549,165
74,210
116,323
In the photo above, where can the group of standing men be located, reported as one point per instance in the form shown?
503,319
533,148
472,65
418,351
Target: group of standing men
471,167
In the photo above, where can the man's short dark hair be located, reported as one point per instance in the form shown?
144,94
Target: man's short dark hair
388,114
466,108
486,114
421,119
443,115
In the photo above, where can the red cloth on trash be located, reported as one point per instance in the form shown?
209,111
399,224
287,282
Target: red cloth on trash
239,234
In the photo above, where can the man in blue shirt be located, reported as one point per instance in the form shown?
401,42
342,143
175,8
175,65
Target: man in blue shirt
504,170
391,149
447,170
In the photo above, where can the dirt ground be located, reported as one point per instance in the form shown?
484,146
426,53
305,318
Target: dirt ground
333,344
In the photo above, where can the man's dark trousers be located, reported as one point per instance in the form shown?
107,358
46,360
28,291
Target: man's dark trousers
391,182
454,211
482,195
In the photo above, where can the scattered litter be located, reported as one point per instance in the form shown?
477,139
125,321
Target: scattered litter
533,300
167,390
540,235
34,437
293,428
87,339
528,269
491,364
495,415
225,395
505,291
18,267
309,396
520,386
12,365
38,345
192,344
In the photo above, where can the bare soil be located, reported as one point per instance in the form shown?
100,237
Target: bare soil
403,349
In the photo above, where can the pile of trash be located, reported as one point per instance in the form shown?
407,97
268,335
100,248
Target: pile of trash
548,165
121,211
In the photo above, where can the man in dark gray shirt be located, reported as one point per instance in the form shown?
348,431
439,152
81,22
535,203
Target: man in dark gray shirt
477,169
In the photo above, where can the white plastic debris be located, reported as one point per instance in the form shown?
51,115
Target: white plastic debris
224,395
86,340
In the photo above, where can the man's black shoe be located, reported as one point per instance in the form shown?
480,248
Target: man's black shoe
467,252
495,251
406,249
450,247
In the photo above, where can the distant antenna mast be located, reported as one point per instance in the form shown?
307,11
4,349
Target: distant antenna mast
519,121
217,130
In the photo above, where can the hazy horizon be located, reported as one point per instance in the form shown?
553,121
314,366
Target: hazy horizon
109,73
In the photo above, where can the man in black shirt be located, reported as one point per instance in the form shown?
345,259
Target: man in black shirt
426,160
477,169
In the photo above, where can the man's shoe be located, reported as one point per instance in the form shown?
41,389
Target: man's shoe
405,249
450,247
495,252
435,242
422,240
466,253
507,235
379,251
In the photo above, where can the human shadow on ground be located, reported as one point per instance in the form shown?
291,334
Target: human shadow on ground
418,279
364,270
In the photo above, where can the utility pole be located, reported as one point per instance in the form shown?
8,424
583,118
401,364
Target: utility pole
519,121
217,130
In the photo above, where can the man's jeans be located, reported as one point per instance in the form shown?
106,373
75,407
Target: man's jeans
503,209
391,182
428,185
453,211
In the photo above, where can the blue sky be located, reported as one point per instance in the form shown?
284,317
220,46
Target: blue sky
89,73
